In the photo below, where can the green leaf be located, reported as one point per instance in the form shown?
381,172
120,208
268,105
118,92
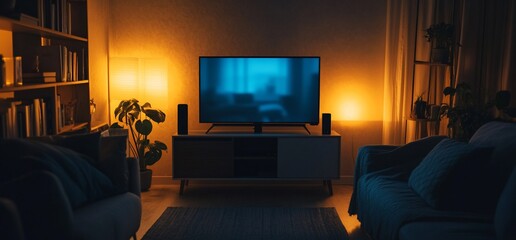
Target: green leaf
160,145
152,156
144,127
146,105
156,115
449,91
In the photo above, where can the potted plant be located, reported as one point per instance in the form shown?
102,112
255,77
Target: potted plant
465,116
138,118
441,36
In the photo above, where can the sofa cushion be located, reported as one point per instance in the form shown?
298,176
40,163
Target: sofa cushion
81,181
84,143
106,153
386,204
448,175
505,217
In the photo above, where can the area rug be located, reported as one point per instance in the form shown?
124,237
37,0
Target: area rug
248,223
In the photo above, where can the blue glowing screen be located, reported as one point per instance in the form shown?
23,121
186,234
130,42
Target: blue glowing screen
259,89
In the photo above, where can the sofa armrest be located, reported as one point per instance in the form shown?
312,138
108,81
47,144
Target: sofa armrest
42,204
134,175
373,160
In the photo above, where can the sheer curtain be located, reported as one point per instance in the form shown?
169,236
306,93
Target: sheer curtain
486,56
399,51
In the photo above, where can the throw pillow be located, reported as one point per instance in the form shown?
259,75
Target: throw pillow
447,175
81,182
84,143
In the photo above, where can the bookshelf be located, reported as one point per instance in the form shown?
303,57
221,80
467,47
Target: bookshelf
52,39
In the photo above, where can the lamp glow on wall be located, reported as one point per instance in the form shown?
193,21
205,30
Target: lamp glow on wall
355,101
142,78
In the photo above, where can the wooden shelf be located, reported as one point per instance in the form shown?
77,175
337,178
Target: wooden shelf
40,86
74,127
432,63
13,25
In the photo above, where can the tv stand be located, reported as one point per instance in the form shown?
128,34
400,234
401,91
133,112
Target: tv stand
249,156
258,127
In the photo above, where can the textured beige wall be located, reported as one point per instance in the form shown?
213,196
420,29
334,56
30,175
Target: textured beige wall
98,56
348,35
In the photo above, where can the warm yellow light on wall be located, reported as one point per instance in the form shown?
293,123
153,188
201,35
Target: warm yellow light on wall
354,100
155,79
142,78
123,78
350,110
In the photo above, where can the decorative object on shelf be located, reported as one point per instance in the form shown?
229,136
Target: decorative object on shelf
138,118
420,108
69,112
2,71
18,72
93,106
441,36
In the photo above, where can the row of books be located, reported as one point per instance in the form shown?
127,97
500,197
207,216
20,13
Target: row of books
23,118
57,63
67,16
62,15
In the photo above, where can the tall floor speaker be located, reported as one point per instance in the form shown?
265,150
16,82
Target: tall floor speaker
182,119
326,123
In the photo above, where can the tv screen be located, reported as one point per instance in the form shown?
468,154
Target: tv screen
259,90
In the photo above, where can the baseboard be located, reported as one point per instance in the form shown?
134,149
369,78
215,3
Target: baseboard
167,180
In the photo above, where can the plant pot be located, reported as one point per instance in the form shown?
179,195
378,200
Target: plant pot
420,109
145,180
440,55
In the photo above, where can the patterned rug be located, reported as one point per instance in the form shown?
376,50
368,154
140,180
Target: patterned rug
247,223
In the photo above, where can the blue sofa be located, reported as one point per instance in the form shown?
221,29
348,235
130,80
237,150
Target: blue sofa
436,188
68,187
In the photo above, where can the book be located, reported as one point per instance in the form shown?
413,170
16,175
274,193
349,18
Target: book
43,117
12,122
29,123
37,117
39,74
24,18
40,77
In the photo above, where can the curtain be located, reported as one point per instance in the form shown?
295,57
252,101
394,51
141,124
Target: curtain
399,51
486,58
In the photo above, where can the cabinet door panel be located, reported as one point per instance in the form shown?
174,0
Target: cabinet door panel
202,158
308,157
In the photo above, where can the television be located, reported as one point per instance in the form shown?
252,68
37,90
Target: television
259,91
